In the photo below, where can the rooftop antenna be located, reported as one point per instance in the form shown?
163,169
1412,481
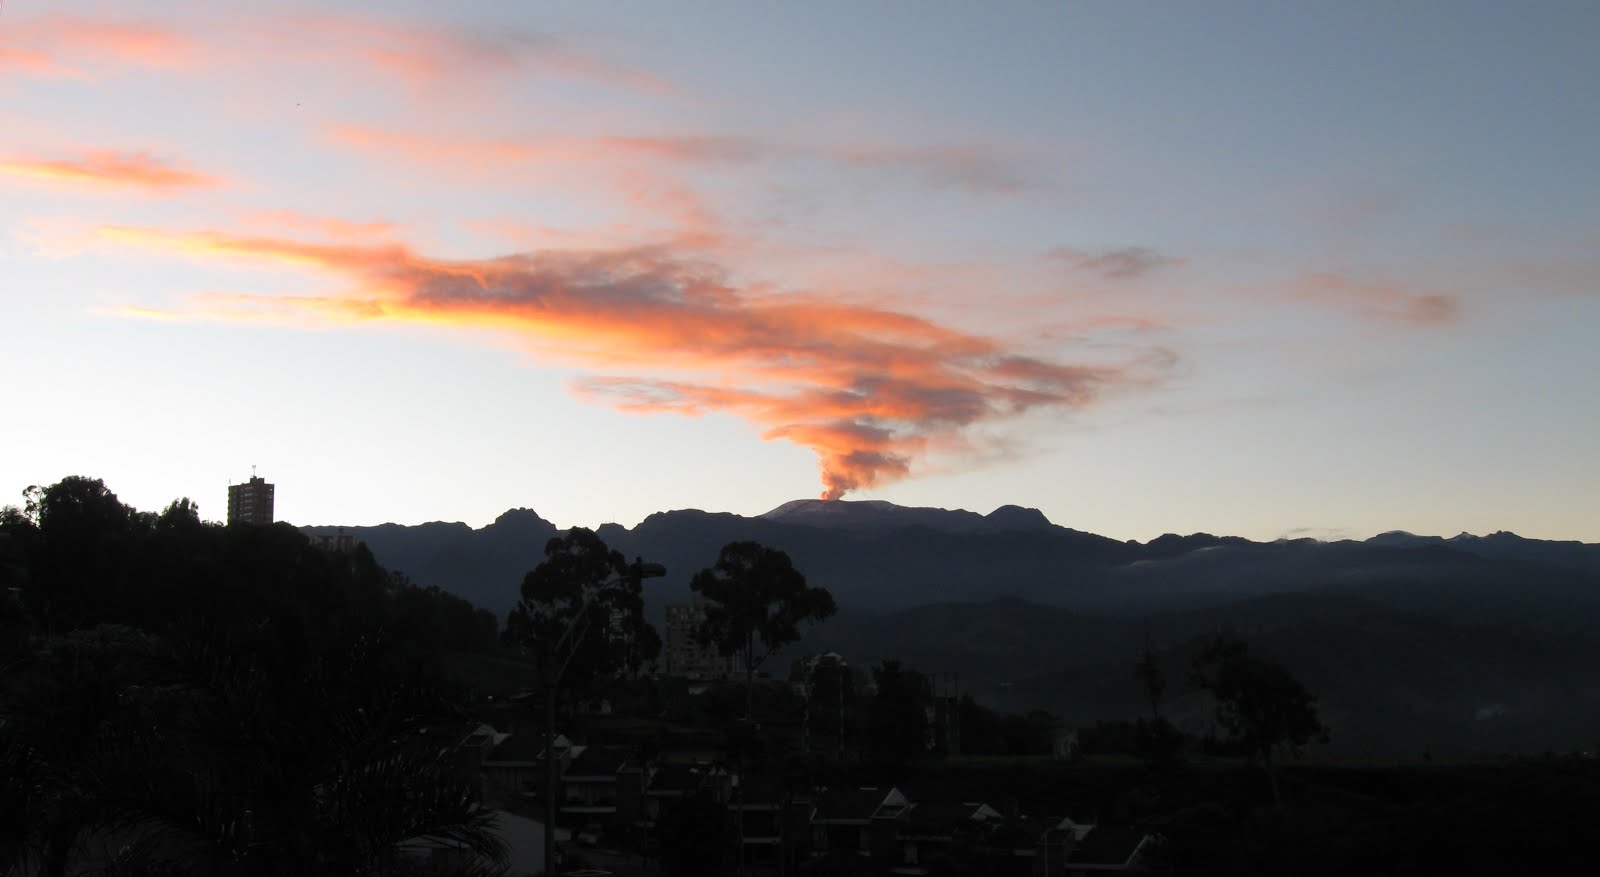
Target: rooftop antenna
252,471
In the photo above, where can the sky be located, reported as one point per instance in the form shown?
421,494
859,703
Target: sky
1262,269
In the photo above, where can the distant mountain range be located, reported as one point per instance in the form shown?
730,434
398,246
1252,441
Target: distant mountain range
1468,643
877,556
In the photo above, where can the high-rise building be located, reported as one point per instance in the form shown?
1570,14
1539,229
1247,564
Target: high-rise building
250,502
686,656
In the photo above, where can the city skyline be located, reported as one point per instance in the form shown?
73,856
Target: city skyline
1249,270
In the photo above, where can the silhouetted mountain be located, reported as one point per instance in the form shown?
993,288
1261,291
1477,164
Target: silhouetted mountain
1505,546
484,566
1015,517
871,516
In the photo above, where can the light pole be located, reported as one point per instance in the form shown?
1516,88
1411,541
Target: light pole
553,663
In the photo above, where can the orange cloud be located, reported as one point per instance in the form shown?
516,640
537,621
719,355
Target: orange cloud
109,169
30,60
867,389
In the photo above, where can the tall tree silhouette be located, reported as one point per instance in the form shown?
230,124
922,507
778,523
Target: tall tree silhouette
756,594
85,532
1151,679
830,703
582,581
1260,704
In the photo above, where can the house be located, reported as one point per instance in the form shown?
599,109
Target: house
1110,850
516,766
933,829
603,786
669,783
589,784
771,822
1079,849
854,830
1008,847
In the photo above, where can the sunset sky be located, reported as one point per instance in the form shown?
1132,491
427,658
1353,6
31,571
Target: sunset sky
1265,269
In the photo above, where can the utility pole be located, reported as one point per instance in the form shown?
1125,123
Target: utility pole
551,672
551,774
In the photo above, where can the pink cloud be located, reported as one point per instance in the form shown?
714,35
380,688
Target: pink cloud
65,45
425,54
422,54
1376,301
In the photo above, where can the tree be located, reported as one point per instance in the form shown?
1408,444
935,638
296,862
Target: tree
583,585
1160,743
81,509
583,611
756,593
181,515
239,749
1259,703
897,717
85,533
830,705
1151,679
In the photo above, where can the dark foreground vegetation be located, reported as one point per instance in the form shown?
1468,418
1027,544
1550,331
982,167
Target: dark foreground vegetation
186,698
183,698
